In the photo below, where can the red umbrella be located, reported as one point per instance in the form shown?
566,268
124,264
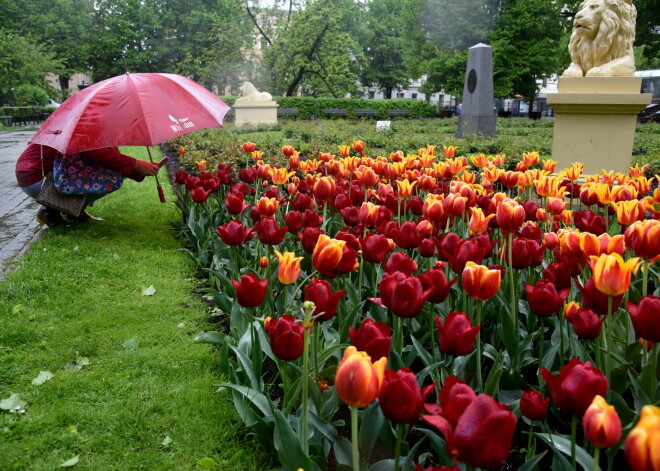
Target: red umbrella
131,110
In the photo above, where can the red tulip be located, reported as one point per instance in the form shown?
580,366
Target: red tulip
436,281
576,386
399,261
509,215
235,204
645,317
326,302
586,323
309,238
407,236
544,299
525,253
465,251
312,219
302,202
375,248
250,290
180,177
199,195
588,221
293,221
644,238
482,432
558,274
235,233
372,337
447,245
286,337
402,294
269,233
533,405
457,336
400,397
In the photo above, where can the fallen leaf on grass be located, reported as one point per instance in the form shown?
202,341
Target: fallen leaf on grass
42,377
130,343
18,309
68,463
206,463
12,402
167,442
150,291
78,364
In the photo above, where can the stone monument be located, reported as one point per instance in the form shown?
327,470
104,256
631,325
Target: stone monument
598,97
478,114
254,107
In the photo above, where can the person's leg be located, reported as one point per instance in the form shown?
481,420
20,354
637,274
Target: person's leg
46,215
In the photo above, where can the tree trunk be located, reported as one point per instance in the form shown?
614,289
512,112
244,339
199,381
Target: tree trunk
300,74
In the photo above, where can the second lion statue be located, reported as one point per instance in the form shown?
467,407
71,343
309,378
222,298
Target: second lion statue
250,93
601,43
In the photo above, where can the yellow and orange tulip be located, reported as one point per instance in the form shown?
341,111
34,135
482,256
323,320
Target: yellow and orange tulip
288,269
358,380
642,444
611,273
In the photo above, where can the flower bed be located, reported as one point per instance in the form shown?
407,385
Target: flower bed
435,308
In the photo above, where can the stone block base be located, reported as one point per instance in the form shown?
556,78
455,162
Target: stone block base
255,112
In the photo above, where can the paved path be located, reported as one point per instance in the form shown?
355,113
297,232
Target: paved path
17,211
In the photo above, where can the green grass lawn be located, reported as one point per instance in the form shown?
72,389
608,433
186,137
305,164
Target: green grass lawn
130,390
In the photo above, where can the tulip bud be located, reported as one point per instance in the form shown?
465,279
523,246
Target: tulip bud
263,262
601,424
533,405
286,337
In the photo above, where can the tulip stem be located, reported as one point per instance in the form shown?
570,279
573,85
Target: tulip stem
305,379
398,340
479,378
573,438
560,318
608,343
596,458
541,342
654,360
354,438
397,449
514,303
645,278
529,439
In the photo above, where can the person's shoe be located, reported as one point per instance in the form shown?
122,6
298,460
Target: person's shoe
50,217
85,216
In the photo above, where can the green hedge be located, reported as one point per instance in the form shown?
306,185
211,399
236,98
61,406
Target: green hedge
310,107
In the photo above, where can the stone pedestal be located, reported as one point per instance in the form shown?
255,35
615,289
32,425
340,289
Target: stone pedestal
595,121
478,113
255,112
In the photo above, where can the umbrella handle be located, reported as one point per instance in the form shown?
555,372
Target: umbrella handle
161,193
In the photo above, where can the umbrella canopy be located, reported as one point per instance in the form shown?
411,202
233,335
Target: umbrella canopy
130,110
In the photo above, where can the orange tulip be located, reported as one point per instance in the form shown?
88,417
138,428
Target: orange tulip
603,244
611,274
603,193
642,443
432,208
288,151
510,215
478,222
499,160
574,172
643,237
366,177
480,282
628,212
288,269
182,150
368,214
449,151
549,165
267,207
509,179
530,158
554,205
248,147
358,380
479,161
549,186
492,174
324,188
280,176
294,160
601,423
570,309
327,253
636,172
405,188
257,155
201,164
358,146
344,151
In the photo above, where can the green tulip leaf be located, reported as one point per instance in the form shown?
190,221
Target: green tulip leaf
530,464
290,450
370,425
215,338
557,442
382,465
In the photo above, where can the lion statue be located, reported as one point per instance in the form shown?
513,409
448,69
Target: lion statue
250,93
601,43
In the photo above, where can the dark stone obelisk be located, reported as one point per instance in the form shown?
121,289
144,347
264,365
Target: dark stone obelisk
478,113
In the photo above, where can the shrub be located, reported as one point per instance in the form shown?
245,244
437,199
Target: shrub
31,95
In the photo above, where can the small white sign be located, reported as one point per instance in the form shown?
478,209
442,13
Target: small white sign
382,126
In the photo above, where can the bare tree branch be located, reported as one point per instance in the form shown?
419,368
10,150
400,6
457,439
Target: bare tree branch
256,23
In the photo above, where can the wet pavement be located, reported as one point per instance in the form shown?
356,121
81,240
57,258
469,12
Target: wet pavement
18,227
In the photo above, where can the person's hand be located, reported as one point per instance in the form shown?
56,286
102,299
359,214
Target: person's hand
146,169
